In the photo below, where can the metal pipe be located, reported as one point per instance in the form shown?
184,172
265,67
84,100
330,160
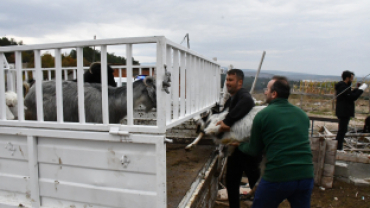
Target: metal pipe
347,135
258,72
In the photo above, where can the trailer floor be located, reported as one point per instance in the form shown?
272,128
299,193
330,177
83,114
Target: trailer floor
183,168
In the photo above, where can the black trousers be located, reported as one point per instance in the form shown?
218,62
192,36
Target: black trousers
342,130
237,163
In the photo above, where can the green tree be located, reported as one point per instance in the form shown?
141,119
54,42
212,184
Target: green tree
47,61
91,55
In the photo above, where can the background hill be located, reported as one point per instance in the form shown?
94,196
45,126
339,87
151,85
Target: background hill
294,76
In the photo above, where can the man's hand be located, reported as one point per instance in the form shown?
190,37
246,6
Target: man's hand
363,87
236,144
223,127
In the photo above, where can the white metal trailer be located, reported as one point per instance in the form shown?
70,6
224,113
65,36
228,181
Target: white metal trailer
64,164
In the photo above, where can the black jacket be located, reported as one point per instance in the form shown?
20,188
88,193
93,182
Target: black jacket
239,105
346,101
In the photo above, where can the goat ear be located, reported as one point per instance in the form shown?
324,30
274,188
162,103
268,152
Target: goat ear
149,81
95,67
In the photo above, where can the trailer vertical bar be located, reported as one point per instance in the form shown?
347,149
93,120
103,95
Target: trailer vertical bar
33,167
188,84
18,65
161,95
130,106
169,96
49,75
39,80
194,93
80,86
209,89
58,83
175,81
120,77
197,77
65,74
104,84
74,74
2,88
10,79
183,84
161,172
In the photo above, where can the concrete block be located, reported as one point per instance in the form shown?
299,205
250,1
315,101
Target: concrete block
344,179
359,170
341,170
359,181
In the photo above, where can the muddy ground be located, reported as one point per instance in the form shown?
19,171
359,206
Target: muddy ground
347,195
183,168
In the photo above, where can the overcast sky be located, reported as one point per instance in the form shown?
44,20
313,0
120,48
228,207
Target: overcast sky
314,36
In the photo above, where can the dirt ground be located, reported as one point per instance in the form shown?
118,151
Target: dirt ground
342,195
183,168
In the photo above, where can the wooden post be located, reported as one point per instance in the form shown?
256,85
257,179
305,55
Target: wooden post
321,160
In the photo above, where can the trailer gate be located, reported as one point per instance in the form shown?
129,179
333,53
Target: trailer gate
79,164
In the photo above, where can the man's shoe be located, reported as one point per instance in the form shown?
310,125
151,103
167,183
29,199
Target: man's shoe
341,151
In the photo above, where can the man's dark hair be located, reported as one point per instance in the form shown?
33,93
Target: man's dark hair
281,87
346,74
239,73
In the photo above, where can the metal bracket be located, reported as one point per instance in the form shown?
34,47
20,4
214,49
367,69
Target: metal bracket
116,131
9,146
166,140
125,161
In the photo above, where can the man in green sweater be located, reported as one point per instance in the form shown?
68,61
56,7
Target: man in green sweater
281,132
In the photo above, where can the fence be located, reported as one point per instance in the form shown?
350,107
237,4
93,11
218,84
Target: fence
324,89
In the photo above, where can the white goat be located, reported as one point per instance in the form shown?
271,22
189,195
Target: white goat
11,101
239,132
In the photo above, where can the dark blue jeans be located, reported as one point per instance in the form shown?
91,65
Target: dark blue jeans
270,195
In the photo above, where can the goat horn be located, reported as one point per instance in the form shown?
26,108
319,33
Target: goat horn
195,142
146,79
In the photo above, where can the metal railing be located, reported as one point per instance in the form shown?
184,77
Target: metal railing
194,88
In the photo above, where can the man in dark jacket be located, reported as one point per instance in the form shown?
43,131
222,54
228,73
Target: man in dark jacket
346,104
239,104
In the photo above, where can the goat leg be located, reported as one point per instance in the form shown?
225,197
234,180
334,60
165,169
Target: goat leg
195,142
220,158
250,194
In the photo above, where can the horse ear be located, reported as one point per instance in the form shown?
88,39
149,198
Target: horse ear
149,81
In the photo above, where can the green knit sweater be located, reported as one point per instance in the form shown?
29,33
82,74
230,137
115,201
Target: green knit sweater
281,131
